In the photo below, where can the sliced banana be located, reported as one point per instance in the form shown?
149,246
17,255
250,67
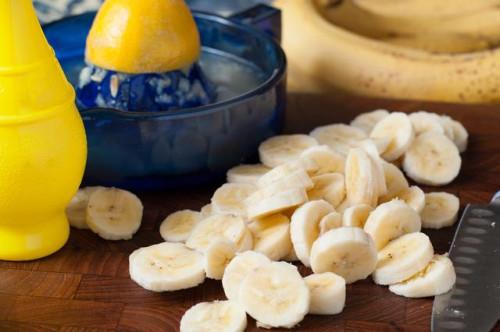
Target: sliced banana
330,221
178,226
356,215
220,226
424,121
367,121
217,316
438,277
272,236
395,182
279,150
398,127
114,214
391,220
304,227
381,143
238,269
271,200
403,258
339,137
286,176
330,187
372,151
166,267
432,159
328,293
414,197
246,173
360,178
246,242
229,198
321,160
292,256
460,135
441,210
76,211
275,295
207,211
343,206
447,124
347,251
217,256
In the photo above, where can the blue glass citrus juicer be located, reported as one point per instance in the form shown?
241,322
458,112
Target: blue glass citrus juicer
42,139
241,70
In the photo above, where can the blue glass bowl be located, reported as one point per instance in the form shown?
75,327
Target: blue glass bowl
168,149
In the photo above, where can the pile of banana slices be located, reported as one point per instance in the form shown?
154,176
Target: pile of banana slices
335,201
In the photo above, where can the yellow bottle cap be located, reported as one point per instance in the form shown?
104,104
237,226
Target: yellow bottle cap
143,36
31,79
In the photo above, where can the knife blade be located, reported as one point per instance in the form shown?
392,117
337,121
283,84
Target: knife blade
473,304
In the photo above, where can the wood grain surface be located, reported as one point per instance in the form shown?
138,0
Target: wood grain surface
86,285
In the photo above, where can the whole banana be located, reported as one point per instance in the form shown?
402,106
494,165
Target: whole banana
323,56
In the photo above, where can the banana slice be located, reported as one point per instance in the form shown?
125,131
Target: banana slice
272,236
271,200
356,216
403,258
347,251
177,227
238,269
246,173
441,210
330,187
304,227
438,277
367,121
391,220
371,149
432,159
381,143
414,197
217,256
286,176
460,136
424,121
322,160
229,198
395,182
327,293
279,150
360,178
76,211
219,226
166,267
217,316
339,137
398,127
114,214
275,295
207,211
447,124
291,257
246,242
343,206
330,221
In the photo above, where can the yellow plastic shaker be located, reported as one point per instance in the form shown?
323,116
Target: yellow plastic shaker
42,139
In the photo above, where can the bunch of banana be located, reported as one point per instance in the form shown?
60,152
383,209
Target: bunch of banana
418,49
335,200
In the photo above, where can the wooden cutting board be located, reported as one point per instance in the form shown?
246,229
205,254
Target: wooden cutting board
86,286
